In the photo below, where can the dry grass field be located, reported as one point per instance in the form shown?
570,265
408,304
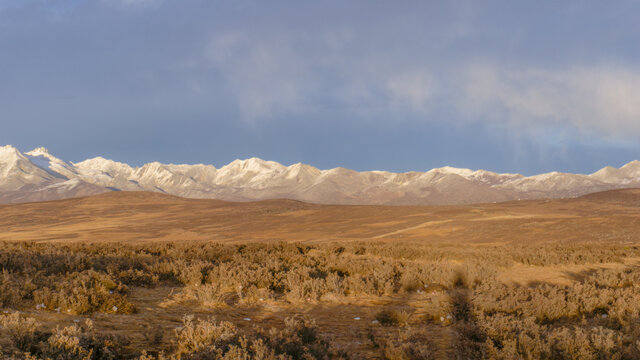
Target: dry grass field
140,217
150,276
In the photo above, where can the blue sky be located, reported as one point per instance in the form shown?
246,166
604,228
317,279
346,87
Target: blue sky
508,86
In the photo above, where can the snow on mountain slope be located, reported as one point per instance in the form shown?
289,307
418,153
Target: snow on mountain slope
38,175
254,173
107,173
608,174
491,178
105,167
54,191
556,184
17,170
51,164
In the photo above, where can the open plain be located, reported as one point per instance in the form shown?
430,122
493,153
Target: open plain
147,275
141,216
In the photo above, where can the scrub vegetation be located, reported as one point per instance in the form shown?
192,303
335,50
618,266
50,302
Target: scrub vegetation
352,300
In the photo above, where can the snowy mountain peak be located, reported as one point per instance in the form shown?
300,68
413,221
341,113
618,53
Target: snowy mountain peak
10,157
43,153
605,172
301,172
302,167
38,175
105,165
465,173
97,161
635,164
632,170
254,164
39,151
8,150
18,170
626,174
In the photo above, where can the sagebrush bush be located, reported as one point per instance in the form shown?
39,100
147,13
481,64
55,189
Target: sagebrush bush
393,317
84,293
511,337
67,343
21,330
207,339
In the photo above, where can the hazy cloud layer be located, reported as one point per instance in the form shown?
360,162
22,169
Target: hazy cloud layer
599,100
369,85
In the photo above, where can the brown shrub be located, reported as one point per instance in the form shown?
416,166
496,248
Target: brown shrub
206,339
85,293
393,318
22,331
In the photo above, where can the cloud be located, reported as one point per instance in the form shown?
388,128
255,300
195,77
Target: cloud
274,75
266,76
413,88
601,100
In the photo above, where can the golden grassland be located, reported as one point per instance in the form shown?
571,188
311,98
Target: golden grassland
148,276
142,217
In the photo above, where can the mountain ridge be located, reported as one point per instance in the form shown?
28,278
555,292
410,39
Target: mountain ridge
39,175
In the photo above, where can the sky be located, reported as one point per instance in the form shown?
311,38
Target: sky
506,86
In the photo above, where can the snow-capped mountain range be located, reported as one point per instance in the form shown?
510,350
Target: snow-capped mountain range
37,175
